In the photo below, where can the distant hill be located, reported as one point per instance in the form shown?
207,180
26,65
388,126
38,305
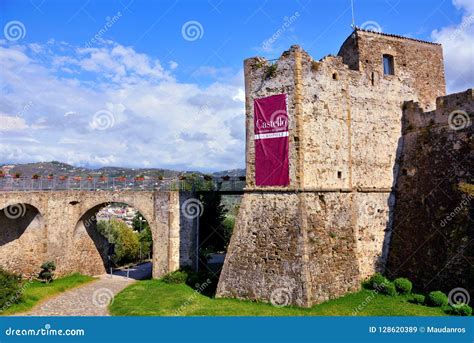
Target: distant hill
60,168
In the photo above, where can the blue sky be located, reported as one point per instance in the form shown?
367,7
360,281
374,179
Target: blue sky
159,83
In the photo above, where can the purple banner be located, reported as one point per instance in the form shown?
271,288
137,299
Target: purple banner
271,141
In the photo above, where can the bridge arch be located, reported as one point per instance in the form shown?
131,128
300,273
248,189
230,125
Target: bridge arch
61,216
22,237
89,248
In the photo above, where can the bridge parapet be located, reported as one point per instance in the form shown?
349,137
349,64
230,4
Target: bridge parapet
195,184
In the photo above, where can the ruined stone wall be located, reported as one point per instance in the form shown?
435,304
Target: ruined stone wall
344,143
433,240
62,228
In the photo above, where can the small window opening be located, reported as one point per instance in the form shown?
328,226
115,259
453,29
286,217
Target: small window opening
388,65
339,174
372,78
334,76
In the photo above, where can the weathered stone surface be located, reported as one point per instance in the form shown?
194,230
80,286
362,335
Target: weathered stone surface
266,251
331,227
433,240
60,226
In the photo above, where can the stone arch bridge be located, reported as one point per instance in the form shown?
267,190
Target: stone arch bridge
38,226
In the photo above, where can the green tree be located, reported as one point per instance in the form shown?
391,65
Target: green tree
107,229
229,223
127,248
146,241
140,224
127,244
212,231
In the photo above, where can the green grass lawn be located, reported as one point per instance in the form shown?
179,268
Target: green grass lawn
156,298
37,291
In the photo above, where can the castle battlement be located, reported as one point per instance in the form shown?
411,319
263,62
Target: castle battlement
329,227
460,105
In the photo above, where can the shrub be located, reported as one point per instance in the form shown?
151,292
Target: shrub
436,299
403,285
388,288
47,271
228,223
418,299
178,276
459,310
9,289
377,281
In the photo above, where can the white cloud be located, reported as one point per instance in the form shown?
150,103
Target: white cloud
173,65
458,48
11,123
156,120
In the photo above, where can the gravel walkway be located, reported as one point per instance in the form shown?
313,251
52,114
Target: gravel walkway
91,299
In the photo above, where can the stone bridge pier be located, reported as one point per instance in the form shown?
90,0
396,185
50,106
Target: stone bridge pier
60,226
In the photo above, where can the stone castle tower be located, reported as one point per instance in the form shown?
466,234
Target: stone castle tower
330,228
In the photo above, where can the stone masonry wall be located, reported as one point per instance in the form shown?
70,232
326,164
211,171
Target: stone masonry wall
188,227
265,255
331,245
60,226
433,238
418,64
344,145
22,242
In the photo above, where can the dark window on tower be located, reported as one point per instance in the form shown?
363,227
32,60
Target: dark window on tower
388,65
